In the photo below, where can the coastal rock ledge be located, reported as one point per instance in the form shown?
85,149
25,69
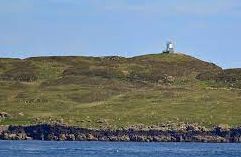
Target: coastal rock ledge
58,132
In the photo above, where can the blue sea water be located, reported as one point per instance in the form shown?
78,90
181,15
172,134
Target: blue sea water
116,149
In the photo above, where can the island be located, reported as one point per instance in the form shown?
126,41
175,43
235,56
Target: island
161,97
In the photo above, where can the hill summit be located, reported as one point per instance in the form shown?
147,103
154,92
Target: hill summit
146,68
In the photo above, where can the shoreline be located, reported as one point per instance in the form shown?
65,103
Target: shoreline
59,132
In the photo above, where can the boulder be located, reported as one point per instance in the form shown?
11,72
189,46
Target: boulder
4,115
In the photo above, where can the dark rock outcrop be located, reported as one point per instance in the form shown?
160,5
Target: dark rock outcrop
188,133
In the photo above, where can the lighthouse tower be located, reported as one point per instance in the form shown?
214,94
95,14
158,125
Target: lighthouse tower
170,47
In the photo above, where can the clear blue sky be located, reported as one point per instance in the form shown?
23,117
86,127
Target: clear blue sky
207,29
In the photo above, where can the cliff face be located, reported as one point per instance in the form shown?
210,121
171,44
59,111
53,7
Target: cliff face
189,133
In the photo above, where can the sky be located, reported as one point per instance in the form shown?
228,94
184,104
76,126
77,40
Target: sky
206,29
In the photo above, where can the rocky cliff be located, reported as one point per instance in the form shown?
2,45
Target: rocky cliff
186,133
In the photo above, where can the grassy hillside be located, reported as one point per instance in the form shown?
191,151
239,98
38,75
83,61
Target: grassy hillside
118,92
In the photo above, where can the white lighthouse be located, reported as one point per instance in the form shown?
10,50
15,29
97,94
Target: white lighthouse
170,47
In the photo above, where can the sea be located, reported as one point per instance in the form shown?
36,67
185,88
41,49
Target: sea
116,149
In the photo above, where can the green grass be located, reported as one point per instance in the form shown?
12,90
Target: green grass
91,98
